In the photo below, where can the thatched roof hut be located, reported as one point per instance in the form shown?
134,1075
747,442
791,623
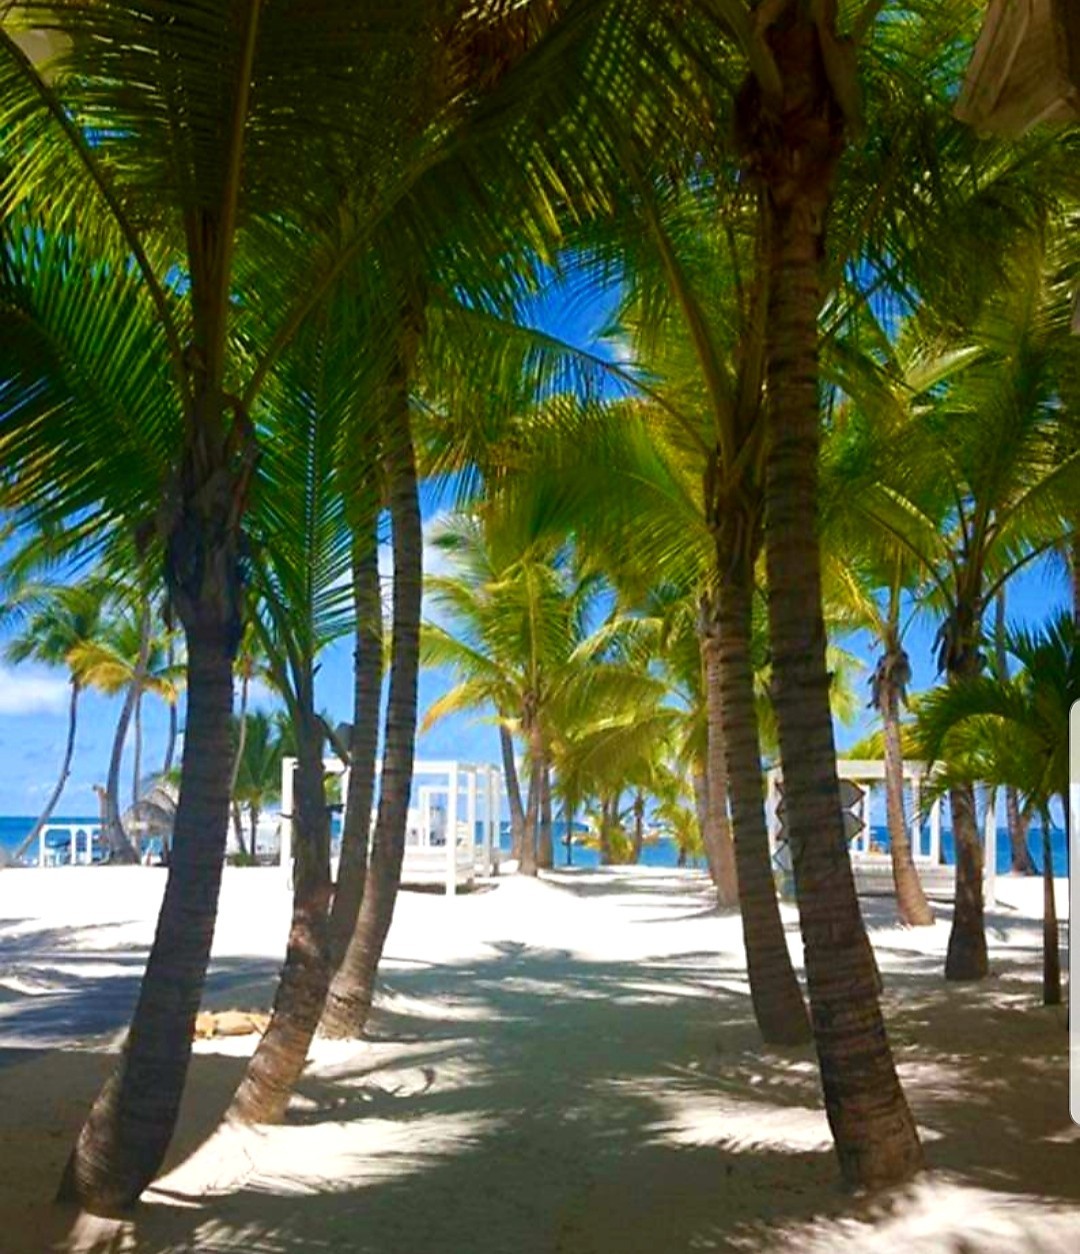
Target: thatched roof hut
1025,68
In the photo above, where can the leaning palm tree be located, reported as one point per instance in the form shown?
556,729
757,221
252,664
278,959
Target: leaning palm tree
1015,733
54,623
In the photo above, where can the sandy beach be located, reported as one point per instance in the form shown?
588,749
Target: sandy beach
568,1065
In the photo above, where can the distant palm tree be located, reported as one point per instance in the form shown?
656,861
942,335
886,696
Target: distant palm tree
62,620
258,775
1015,733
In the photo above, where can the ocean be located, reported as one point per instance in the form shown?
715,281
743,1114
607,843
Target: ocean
663,853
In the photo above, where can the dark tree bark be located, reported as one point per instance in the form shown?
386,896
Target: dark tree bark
911,904
527,864
238,828
716,835
545,847
513,792
1020,857
363,748
1051,955
352,989
795,143
123,1142
279,1058
65,772
774,990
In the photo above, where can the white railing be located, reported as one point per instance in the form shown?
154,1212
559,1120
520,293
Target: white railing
860,775
450,796
80,844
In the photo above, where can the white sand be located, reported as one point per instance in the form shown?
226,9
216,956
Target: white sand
564,1066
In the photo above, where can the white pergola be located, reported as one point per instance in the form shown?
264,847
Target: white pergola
440,841
857,778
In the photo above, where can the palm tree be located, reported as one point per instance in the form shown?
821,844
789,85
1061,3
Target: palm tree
57,622
258,774
1015,733
977,488
348,1002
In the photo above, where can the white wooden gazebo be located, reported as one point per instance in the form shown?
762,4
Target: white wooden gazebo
873,869
455,802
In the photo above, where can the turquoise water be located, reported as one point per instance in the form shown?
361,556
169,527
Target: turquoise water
15,828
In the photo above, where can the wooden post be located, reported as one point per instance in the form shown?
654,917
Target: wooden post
451,831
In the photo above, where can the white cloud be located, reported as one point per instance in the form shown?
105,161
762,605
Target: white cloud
26,691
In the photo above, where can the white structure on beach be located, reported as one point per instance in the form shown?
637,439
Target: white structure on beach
455,802
873,868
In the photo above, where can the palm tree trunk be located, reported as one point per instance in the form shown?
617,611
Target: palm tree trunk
966,957
716,836
238,828
136,765
527,862
174,714
120,848
545,849
349,1001
127,1132
801,141
275,1066
241,727
363,747
607,824
639,825
65,771
774,990
700,782
513,793
254,811
911,904
1051,956
1020,855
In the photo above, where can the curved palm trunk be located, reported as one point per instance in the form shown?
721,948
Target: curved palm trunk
174,715
363,749
275,1066
241,729
911,904
238,829
609,810
966,957
716,836
124,1139
1051,954
136,765
116,840
800,142
349,1001
774,990
65,771
513,792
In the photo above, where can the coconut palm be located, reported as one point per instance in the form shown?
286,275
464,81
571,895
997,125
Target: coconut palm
1015,732
977,488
